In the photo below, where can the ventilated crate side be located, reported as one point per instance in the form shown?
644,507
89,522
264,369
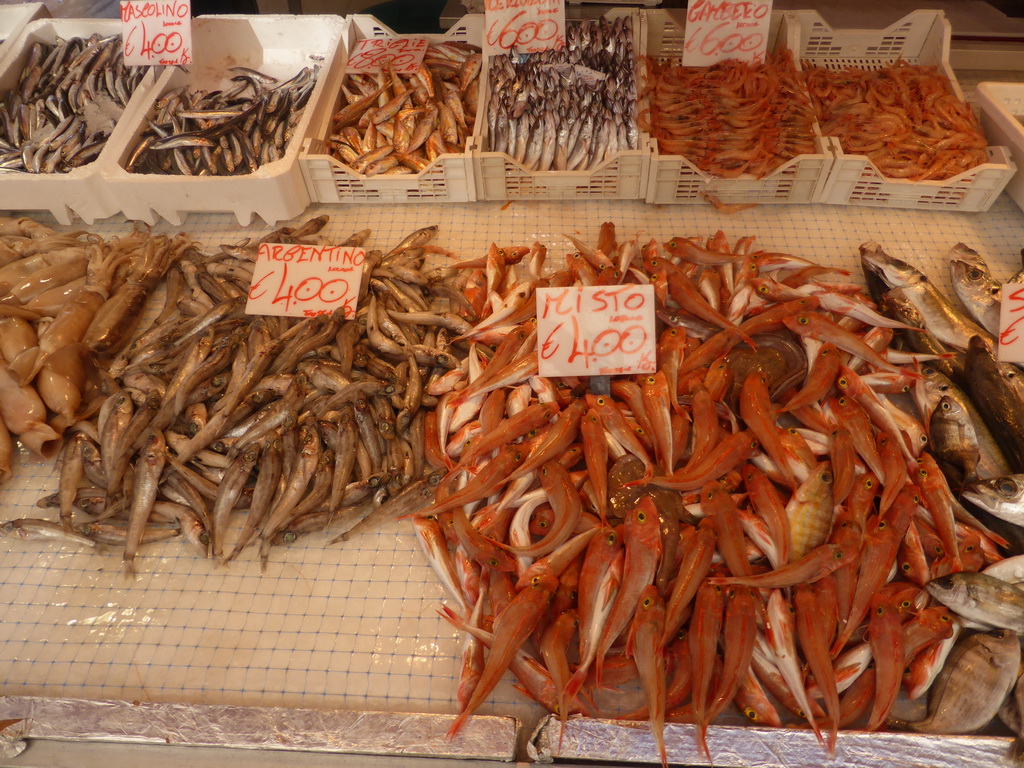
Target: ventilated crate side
675,179
1002,113
921,37
449,179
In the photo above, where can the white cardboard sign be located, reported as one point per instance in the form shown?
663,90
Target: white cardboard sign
1011,324
528,26
303,280
156,32
596,330
726,29
405,54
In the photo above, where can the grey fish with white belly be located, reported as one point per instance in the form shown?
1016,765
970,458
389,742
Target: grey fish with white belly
981,598
974,285
999,496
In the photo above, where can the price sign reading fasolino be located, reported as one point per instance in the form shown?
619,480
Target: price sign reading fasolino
156,32
726,29
528,26
305,280
595,330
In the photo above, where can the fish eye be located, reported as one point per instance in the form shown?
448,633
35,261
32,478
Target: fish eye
654,262
535,580
600,401
641,516
905,567
881,525
945,406
763,289
611,539
869,483
673,244
945,617
750,713
843,382
542,523
842,401
290,537
923,473
905,604
802,320
879,611
975,274
1007,487
792,431
647,602
839,554
493,562
826,477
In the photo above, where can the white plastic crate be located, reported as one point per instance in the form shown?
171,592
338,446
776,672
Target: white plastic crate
621,177
1002,113
13,19
675,179
80,192
279,46
446,180
920,37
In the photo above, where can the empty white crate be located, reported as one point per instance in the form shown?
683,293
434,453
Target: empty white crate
13,19
675,179
920,37
446,180
279,46
1002,117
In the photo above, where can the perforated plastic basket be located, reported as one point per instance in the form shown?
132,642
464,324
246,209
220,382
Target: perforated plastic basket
675,179
621,177
279,46
447,180
920,37
81,192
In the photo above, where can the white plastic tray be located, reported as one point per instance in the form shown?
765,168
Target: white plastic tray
81,192
621,177
675,179
920,37
279,46
1002,110
447,179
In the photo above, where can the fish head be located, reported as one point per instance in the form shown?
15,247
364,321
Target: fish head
994,492
946,589
880,266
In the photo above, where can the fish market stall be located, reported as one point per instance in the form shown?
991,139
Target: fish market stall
337,533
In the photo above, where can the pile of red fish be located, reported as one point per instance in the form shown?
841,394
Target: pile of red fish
724,530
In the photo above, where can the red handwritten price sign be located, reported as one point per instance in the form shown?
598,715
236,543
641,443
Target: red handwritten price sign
405,54
156,32
1011,324
529,26
304,280
596,330
726,29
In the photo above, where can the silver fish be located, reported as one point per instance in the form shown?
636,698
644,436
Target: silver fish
974,285
941,317
999,496
981,598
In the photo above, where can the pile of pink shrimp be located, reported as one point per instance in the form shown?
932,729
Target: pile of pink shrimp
906,118
732,119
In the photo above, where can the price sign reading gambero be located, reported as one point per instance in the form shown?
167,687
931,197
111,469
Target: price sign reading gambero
404,53
305,280
595,330
156,32
529,26
1011,324
726,29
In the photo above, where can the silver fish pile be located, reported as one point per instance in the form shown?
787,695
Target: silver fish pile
68,98
570,109
301,422
393,124
224,132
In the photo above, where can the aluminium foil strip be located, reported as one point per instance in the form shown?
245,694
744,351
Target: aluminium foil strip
618,741
279,728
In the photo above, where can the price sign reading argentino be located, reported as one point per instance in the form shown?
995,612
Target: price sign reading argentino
1011,324
528,26
726,29
404,53
595,330
305,280
157,32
